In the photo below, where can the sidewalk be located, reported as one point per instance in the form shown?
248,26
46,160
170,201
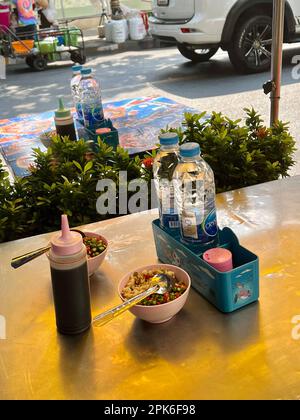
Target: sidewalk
95,45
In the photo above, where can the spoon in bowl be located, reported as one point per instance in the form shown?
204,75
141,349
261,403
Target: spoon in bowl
17,262
161,283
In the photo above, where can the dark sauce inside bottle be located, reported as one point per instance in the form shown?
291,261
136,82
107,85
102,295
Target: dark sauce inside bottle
67,130
72,299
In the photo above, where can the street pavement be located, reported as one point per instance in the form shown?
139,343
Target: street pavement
212,86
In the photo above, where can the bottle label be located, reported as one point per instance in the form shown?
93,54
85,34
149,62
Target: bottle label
210,226
168,215
170,222
79,112
93,116
198,226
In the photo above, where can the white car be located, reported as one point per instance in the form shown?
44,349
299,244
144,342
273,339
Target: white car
241,27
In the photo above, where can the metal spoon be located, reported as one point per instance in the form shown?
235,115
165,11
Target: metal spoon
25,258
161,284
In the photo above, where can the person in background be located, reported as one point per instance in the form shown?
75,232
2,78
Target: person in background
14,20
47,13
27,20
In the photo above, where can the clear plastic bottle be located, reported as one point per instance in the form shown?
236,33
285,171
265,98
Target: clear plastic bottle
163,169
195,197
90,100
76,78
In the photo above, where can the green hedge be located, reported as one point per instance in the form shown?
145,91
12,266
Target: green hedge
63,179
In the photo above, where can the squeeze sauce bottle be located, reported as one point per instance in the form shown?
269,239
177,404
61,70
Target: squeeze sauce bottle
64,122
70,281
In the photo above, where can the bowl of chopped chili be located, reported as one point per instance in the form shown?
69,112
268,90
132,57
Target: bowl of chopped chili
96,247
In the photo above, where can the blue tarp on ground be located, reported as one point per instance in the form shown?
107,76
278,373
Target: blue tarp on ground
138,121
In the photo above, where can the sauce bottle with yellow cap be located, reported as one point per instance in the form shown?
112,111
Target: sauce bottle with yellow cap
70,281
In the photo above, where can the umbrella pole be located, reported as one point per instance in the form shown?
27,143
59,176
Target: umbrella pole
278,33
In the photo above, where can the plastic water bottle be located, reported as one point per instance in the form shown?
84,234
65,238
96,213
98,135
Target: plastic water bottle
75,81
90,99
195,197
163,169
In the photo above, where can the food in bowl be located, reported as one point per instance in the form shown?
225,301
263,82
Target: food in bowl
157,314
140,282
94,246
101,247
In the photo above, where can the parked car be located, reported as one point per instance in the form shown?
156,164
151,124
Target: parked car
241,27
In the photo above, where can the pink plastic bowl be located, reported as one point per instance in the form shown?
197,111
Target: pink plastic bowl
160,313
95,263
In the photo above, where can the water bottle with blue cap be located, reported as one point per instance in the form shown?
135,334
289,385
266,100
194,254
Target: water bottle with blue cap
195,193
75,81
163,168
90,99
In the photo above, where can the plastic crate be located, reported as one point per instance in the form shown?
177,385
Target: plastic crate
71,37
53,57
22,47
228,291
47,47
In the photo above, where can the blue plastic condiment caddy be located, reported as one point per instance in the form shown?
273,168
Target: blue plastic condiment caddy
111,138
228,291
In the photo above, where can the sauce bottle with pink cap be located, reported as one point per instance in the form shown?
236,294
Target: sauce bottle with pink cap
70,281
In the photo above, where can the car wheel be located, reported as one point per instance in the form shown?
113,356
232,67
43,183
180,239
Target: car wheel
39,63
251,48
196,55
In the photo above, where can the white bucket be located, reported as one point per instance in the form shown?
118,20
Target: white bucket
137,28
108,31
119,32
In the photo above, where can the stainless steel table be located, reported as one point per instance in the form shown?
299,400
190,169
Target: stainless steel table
201,353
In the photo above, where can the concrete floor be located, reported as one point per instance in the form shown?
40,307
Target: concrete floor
210,86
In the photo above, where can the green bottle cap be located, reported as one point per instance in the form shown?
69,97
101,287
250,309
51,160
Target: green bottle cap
62,112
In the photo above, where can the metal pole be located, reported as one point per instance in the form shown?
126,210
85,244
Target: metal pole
62,9
278,32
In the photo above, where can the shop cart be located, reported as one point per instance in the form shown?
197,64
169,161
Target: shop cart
43,46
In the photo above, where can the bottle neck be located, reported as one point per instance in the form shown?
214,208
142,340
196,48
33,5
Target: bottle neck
63,262
190,159
170,148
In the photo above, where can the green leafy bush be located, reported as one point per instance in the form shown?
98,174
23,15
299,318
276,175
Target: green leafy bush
240,155
63,179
